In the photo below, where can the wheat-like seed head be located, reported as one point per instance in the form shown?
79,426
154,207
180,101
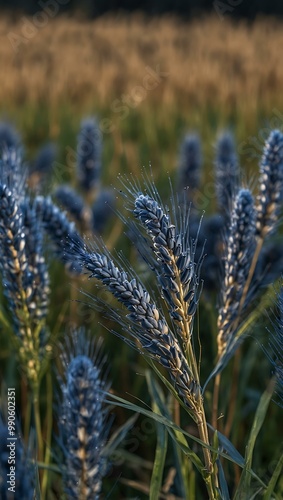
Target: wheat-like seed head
226,171
89,154
190,162
177,273
238,257
149,327
25,476
270,185
83,428
25,277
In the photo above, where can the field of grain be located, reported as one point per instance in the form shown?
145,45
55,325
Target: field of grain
207,62
148,81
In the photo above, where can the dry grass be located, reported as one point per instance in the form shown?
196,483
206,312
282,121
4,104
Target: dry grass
208,61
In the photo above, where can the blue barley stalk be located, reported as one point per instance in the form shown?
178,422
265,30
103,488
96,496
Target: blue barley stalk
149,329
39,277
239,254
83,426
147,325
271,185
24,471
178,273
190,162
25,278
102,210
61,232
89,155
226,172
72,202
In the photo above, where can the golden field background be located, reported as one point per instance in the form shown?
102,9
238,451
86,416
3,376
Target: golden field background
209,61
218,74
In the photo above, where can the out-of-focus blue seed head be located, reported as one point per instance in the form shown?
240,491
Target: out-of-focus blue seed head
190,162
61,231
83,423
9,137
89,147
210,241
45,158
38,276
240,247
71,201
13,172
226,171
102,210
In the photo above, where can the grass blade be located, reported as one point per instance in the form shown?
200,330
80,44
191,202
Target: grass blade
119,435
162,439
182,472
159,461
274,478
243,490
222,482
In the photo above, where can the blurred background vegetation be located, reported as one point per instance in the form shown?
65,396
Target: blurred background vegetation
89,8
209,69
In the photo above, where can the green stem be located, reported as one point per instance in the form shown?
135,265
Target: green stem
215,400
200,412
203,434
